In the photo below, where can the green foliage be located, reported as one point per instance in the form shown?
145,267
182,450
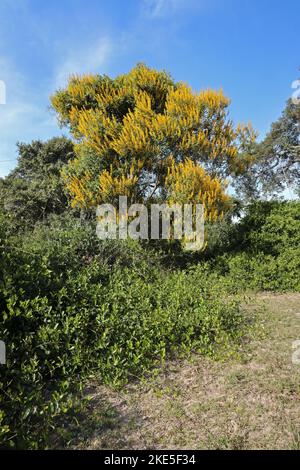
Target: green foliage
77,307
222,236
266,250
275,160
266,272
34,189
73,307
280,231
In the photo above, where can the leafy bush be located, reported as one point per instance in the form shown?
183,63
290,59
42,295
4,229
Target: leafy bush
77,307
268,257
271,227
266,272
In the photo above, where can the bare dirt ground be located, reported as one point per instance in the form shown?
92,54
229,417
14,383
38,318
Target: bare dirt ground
247,403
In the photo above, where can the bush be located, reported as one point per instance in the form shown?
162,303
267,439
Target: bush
267,255
266,272
77,307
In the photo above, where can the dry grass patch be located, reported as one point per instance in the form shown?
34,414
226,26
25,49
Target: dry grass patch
246,403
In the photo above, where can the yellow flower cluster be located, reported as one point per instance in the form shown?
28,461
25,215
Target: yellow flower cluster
127,128
82,196
187,182
111,188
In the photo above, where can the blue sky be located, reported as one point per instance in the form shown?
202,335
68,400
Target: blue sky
250,48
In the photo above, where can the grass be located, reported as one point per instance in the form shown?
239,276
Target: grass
252,402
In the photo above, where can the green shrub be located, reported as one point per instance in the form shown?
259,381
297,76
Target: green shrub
76,307
268,257
280,229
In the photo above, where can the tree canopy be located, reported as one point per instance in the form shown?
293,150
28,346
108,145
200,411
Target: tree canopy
275,160
144,136
34,189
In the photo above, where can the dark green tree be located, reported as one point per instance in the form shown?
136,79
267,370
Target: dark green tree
34,189
276,160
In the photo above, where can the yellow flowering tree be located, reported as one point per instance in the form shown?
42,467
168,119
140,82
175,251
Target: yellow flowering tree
144,136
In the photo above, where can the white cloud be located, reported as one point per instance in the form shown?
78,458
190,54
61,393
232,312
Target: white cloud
83,60
22,122
24,117
162,8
